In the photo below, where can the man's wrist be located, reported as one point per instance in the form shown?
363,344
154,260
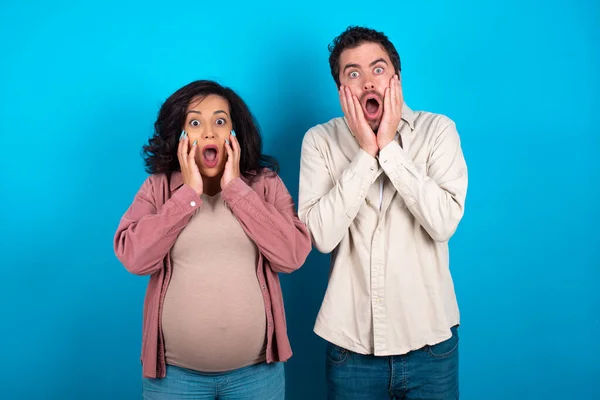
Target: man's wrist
384,142
372,151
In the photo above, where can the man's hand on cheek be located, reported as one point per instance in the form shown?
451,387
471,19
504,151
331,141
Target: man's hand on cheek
356,120
392,113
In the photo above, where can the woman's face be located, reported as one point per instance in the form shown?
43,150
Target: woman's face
208,121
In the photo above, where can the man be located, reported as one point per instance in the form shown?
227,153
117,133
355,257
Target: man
383,189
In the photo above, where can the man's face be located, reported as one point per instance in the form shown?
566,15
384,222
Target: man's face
366,70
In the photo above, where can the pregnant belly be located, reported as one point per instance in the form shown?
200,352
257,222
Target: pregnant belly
218,328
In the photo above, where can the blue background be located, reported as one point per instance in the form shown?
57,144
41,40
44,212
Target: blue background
80,86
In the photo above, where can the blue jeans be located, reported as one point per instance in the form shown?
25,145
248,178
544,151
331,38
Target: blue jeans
430,373
256,382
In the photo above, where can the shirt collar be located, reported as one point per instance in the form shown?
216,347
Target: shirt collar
176,181
409,116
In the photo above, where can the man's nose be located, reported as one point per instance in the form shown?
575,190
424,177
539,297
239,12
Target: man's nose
368,85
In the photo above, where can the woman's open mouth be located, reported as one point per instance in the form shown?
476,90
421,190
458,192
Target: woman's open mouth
210,155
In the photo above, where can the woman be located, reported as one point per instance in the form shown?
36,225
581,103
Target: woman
213,226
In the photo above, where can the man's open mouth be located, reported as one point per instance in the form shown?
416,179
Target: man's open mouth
372,106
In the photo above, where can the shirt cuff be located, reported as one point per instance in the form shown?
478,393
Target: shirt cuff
234,191
392,152
365,166
401,170
187,199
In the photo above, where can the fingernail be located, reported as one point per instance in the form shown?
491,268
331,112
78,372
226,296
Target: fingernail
226,141
182,135
195,143
232,133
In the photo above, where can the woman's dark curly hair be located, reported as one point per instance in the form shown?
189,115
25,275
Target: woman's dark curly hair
160,154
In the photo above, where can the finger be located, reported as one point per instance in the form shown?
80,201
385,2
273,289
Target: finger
229,151
393,94
179,145
352,102
236,147
343,100
192,154
387,100
359,115
192,162
181,152
399,94
395,89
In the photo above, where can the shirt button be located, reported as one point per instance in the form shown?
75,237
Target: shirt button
193,203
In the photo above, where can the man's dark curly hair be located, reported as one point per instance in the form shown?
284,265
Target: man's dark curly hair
160,154
353,37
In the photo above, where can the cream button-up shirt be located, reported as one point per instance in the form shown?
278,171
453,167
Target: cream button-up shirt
386,222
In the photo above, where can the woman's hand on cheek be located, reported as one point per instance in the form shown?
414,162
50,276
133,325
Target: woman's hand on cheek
187,163
232,167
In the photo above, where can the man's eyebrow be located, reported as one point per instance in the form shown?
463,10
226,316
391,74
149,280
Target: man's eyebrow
378,61
370,65
351,66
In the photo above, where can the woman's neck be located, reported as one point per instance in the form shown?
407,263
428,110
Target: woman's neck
211,186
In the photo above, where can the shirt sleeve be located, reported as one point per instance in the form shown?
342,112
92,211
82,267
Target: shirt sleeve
435,197
274,228
144,235
328,204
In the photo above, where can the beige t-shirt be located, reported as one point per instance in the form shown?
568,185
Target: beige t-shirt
214,315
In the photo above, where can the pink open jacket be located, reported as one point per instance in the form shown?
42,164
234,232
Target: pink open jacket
160,211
